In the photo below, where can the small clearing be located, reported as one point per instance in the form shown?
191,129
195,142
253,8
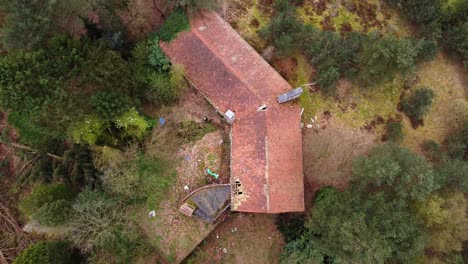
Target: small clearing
241,238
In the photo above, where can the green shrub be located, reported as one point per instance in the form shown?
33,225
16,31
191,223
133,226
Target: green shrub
53,214
132,124
175,23
394,131
431,149
110,104
418,104
44,194
324,192
291,226
427,50
457,143
48,252
156,56
382,58
87,131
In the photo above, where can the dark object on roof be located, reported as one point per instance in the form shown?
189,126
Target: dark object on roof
266,146
291,95
208,202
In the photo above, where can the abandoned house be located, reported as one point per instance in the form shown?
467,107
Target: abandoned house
266,141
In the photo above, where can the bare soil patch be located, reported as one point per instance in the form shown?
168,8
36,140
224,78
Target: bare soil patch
241,238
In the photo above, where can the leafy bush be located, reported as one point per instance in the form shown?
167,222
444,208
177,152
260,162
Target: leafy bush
87,131
44,194
403,174
175,23
456,39
54,213
323,193
418,105
291,226
48,252
132,124
457,143
166,89
394,131
431,149
156,56
383,58
284,29
110,104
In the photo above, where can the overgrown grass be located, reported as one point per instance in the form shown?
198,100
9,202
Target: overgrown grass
446,78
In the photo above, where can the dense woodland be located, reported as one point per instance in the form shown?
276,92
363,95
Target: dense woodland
76,78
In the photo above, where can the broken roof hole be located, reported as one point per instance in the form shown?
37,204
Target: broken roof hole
262,107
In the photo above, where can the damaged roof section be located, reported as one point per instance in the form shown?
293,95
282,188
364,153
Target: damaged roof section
266,145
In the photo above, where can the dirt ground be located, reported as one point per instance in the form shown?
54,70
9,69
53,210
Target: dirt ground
241,238
329,152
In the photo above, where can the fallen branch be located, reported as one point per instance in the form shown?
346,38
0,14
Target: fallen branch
19,146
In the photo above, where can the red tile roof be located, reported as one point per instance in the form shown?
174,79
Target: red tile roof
266,146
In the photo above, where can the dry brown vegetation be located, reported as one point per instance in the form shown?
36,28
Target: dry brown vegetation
329,153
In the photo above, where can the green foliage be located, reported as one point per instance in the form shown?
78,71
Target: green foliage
445,21
44,194
382,58
193,6
156,176
108,104
48,252
192,131
101,228
365,229
31,134
30,23
418,105
456,39
284,29
431,149
132,124
291,226
397,170
394,131
457,143
453,173
156,56
53,214
323,193
87,131
173,25
444,216
77,169
302,250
